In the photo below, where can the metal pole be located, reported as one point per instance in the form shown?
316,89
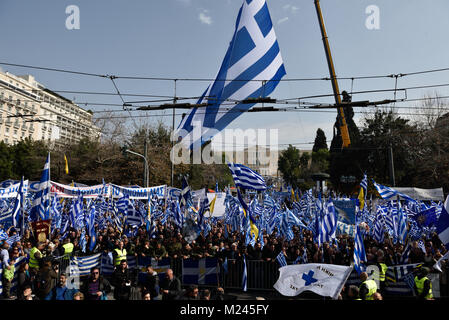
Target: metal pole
173,131
342,121
144,158
391,165
147,169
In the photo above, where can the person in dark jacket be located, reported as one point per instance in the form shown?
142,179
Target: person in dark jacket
170,286
23,278
122,281
96,287
46,280
151,283
192,293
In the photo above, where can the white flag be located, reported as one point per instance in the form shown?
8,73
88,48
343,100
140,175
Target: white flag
323,279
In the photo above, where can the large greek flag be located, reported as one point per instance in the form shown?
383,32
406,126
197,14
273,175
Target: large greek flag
252,68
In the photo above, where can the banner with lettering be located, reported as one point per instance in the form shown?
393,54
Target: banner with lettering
138,193
11,191
67,191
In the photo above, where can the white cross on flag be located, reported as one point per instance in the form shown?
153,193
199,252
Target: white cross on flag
324,279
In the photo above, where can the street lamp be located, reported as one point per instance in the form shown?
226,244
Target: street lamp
146,177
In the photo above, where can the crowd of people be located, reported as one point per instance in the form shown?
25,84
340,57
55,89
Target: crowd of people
42,277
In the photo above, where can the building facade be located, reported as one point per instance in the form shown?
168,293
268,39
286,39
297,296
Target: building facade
29,110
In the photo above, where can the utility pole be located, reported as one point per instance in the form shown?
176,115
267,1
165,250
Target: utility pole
146,172
173,142
391,165
342,120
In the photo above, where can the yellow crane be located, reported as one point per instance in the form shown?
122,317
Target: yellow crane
341,114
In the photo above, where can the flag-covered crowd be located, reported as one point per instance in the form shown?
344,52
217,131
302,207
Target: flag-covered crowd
141,239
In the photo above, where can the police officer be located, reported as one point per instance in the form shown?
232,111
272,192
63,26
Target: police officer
119,254
367,288
36,257
423,285
68,247
382,272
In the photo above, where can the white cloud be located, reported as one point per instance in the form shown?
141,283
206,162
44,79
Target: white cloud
282,20
204,17
291,8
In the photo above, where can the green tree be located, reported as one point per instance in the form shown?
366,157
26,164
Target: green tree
385,129
320,141
290,166
6,162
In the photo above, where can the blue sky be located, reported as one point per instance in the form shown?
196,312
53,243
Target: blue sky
188,39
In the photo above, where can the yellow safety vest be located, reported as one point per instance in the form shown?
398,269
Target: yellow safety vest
120,255
382,271
420,286
34,262
372,288
68,248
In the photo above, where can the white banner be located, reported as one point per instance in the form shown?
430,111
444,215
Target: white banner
323,279
423,194
219,206
67,191
138,193
11,191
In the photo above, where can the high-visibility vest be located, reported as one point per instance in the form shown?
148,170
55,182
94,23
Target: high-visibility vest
68,248
382,271
372,288
120,255
34,262
420,286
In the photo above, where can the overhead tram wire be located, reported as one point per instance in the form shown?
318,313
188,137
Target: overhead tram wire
211,79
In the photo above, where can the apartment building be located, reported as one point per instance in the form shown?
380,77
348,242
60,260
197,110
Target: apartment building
29,110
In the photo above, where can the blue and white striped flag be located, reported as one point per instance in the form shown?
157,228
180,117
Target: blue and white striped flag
17,212
55,213
252,68
246,178
379,229
122,204
81,266
359,252
77,213
41,202
328,227
388,192
405,254
281,259
11,240
364,183
443,224
402,224
186,195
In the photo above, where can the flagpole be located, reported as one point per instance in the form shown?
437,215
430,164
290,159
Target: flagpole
23,209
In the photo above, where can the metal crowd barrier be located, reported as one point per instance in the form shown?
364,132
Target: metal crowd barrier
261,275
